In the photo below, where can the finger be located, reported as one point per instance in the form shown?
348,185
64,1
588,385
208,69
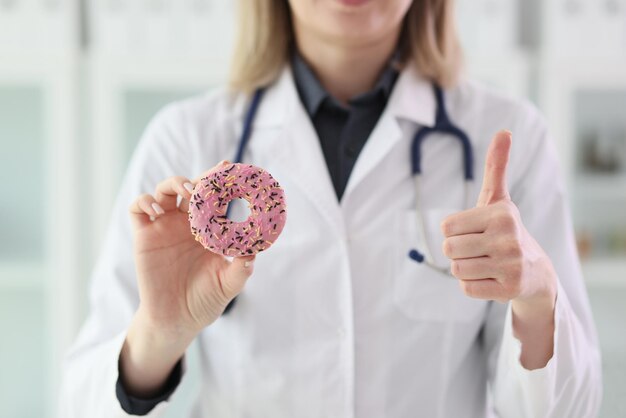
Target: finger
494,186
476,268
168,190
183,206
212,169
144,208
487,289
471,221
236,275
466,246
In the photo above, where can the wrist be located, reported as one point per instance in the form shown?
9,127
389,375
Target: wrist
149,355
537,309
540,296
162,331
533,325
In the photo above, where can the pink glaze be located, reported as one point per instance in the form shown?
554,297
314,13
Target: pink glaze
209,202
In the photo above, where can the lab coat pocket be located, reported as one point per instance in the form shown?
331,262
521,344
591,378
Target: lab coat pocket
421,292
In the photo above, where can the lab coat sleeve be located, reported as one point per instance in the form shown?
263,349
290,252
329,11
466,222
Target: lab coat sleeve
91,368
570,384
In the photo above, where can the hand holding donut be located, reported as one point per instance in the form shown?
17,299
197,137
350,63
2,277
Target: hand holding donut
495,258
182,286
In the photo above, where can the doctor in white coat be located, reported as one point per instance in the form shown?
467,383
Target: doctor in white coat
335,320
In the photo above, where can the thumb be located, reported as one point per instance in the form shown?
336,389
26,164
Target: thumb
210,170
494,186
236,275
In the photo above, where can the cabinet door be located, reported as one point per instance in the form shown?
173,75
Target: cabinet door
37,252
24,184
599,181
24,351
23,231
139,107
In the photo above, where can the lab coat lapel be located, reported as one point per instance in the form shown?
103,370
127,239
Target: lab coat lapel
295,148
412,100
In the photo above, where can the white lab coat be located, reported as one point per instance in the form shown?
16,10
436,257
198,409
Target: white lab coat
337,321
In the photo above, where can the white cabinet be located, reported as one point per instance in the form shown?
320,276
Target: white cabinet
508,72
162,28
24,352
38,315
38,203
585,28
585,104
26,186
490,32
43,26
487,27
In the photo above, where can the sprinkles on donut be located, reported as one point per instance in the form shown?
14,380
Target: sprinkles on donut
209,203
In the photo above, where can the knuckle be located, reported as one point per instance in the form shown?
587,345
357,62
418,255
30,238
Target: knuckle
145,198
455,268
505,221
511,207
499,294
178,181
468,289
447,247
512,287
163,183
515,270
446,227
514,249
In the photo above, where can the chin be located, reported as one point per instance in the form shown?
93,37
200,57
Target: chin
359,20
347,24
350,21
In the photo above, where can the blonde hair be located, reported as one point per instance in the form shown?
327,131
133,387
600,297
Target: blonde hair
265,37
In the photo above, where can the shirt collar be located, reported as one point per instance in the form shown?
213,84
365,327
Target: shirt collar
313,93
411,100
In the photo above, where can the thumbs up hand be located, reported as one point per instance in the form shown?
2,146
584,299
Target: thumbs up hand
493,255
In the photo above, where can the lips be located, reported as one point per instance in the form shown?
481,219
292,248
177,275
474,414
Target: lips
352,2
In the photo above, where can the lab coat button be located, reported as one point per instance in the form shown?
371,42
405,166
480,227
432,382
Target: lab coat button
341,333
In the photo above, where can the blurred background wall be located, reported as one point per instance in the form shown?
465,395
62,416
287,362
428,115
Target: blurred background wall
79,80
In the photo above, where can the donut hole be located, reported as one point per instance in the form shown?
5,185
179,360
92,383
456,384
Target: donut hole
238,210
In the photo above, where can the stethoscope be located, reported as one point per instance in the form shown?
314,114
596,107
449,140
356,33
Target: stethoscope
443,125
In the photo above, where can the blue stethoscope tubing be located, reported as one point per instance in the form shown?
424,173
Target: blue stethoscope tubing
443,125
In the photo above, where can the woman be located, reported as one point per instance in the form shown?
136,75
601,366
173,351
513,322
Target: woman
338,321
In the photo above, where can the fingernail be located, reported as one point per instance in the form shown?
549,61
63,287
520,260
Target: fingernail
247,264
189,187
158,209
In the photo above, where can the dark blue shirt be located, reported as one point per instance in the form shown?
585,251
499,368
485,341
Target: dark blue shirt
342,130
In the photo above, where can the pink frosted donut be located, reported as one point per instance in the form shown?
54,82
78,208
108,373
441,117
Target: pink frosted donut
209,202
